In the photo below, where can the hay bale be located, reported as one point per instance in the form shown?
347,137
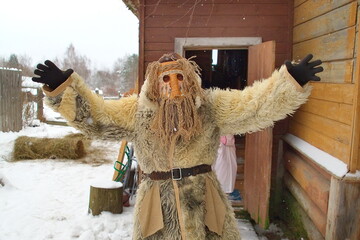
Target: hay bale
79,136
43,148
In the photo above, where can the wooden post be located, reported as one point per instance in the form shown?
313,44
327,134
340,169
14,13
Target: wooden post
40,105
120,159
106,197
343,219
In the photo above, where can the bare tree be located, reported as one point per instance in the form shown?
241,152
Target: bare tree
13,62
22,62
79,63
25,63
121,78
105,81
126,69
2,61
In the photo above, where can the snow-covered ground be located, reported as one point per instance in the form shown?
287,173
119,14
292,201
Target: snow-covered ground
49,199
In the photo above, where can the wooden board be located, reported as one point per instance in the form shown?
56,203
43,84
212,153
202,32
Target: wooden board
340,112
318,168
333,46
239,185
119,159
211,8
337,72
343,220
240,168
355,143
154,2
330,22
314,213
161,35
336,130
142,53
306,11
156,46
258,146
311,181
218,21
333,92
298,2
324,143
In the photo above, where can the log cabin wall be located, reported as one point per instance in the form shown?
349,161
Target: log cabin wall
163,21
329,121
327,29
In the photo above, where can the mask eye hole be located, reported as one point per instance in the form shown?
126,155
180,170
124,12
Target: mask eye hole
166,78
180,77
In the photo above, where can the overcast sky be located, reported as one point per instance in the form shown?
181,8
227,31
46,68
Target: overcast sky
103,30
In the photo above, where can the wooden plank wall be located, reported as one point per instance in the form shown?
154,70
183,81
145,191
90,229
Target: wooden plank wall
327,29
327,121
166,20
10,100
309,185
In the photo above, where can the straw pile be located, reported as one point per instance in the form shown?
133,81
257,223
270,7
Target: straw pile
70,147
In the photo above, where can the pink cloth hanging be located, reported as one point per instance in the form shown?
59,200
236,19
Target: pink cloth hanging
225,165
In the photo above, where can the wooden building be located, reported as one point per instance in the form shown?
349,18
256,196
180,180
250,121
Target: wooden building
314,154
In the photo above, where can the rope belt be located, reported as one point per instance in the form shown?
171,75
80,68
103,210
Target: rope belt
179,173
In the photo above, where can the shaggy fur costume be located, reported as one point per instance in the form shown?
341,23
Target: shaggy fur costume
222,112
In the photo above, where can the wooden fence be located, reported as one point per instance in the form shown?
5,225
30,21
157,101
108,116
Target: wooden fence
10,100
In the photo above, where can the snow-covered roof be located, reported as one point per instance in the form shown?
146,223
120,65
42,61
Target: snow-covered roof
11,69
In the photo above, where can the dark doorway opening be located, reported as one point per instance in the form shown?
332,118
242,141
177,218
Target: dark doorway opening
221,68
225,69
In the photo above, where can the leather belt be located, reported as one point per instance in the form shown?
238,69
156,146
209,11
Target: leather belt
179,173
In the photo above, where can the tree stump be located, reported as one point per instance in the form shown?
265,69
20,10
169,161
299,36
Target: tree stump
106,196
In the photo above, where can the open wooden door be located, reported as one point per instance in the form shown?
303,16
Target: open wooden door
258,146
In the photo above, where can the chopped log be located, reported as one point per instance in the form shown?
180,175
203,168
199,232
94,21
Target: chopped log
106,196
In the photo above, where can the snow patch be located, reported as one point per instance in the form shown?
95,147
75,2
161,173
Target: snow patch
107,184
332,164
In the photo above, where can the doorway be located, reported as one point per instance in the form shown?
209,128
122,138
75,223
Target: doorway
254,151
225,68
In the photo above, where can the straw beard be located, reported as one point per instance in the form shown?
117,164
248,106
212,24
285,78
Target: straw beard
176,119
179,118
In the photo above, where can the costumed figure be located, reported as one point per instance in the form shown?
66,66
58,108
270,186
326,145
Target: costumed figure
225,165
175,127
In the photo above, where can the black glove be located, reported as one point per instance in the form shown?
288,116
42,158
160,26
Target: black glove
304,71
51,75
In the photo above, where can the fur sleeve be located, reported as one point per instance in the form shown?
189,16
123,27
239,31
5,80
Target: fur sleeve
83,109
257,106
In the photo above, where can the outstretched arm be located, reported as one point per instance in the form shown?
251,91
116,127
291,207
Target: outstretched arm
68,94
266,101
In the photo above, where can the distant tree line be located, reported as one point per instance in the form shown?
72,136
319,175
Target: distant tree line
121,78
